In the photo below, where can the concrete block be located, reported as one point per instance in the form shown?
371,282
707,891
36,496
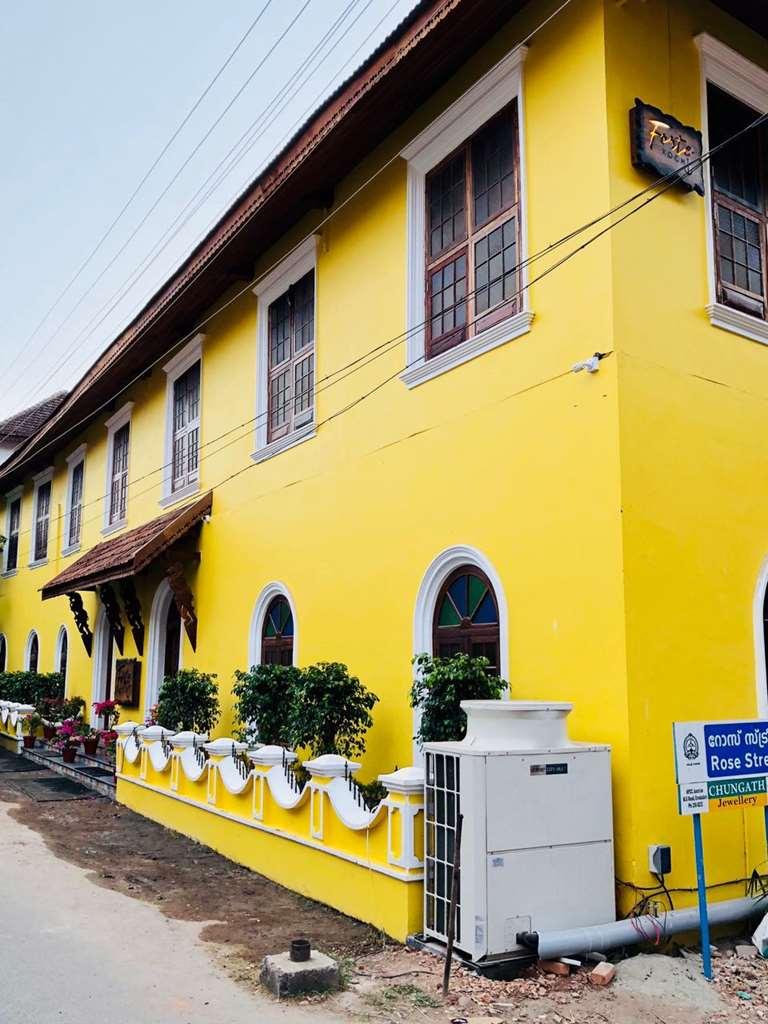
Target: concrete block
603,974
283,977
746,952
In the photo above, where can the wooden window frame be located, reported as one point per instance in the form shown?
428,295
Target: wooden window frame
276,644
186,436
118,484
466,633
289,365
175,488
13,510
473,233
122,418
40,533
73,514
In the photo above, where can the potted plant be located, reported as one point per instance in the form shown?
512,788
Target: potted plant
89,738
108,739
189,701
68,740
50,711
441,684
31,725
109,710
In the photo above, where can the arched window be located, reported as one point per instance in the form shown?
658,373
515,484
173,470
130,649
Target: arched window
277,633
33,652
466,617
3,653
62,652
172,653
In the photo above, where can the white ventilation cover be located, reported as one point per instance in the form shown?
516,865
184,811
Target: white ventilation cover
516,725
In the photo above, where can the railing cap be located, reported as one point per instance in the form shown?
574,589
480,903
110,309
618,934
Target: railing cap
224,745
405,780
188,738
272,753
331,766
157,732
125,729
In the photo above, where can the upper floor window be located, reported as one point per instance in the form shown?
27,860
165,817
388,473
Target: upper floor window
183,406
466,281
739,203
291,357
73,517
473,230
285,410
41,516
12,529
118,451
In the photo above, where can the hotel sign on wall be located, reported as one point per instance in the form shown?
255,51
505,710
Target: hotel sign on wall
663,145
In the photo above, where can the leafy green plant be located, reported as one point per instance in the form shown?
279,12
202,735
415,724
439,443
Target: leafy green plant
73,707
330,711
31,687
441,684
32,723
189,701
263,700
372,793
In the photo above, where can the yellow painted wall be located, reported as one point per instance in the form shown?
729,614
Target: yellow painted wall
622,511
693,422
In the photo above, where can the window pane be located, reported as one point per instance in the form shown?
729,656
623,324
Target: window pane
75,505
304,311
119,488
279,330
446,205
279,399
740,255
41,521
303,385
493,168
736,168
13,535
496,267
448,296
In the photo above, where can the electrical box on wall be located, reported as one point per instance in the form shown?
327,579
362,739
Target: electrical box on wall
659,859
537,833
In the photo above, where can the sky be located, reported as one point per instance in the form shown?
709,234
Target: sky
90,94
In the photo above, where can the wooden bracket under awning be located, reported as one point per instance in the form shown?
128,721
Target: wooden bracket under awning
112,566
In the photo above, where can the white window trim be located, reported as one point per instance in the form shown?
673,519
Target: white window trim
184,359
28,649
45,477
113,424
73,461
265,598
10,497
424,611
298,263
495,90
747,82
158,617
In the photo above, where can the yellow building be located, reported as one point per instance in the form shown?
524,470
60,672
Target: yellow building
360,389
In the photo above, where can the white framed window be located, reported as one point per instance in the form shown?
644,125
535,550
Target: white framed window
464,217
41,517
73,514
286,333
13,502
734,88
32,652
62,652
118,458
183,398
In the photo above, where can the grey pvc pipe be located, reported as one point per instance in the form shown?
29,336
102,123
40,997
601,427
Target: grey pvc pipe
598,938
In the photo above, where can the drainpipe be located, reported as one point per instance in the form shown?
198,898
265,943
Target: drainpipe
600,937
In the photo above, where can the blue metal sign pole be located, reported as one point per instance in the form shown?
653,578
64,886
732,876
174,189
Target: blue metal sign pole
706,952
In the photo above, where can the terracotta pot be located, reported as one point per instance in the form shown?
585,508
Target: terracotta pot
68,755
29,742
90,744
49,731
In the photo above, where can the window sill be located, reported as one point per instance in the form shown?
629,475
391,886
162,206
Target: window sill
736,322
175,496
284,443
38,563
71,550
10,573
425,369
114,527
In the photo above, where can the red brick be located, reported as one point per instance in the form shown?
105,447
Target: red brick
603,974
554,967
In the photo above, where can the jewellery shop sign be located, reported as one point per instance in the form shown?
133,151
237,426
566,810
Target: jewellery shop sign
721,765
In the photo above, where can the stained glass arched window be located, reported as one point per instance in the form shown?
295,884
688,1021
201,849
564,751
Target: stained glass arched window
277,633
467,617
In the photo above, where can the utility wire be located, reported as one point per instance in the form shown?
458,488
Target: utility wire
293,85
179,171
143,181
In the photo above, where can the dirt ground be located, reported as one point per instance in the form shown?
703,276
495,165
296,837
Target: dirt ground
243,917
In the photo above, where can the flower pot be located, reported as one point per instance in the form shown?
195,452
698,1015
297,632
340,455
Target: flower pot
29,742
90,745
49,731
68,755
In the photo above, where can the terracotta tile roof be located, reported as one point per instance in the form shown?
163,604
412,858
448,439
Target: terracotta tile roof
24,424
129,553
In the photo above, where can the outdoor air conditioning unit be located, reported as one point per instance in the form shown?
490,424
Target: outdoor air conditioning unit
537,842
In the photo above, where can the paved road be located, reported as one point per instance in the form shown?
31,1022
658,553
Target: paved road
71,952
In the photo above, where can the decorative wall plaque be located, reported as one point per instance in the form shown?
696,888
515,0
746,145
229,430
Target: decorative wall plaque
127,681
662,144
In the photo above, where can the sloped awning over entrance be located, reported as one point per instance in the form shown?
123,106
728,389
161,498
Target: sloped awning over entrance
110,569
